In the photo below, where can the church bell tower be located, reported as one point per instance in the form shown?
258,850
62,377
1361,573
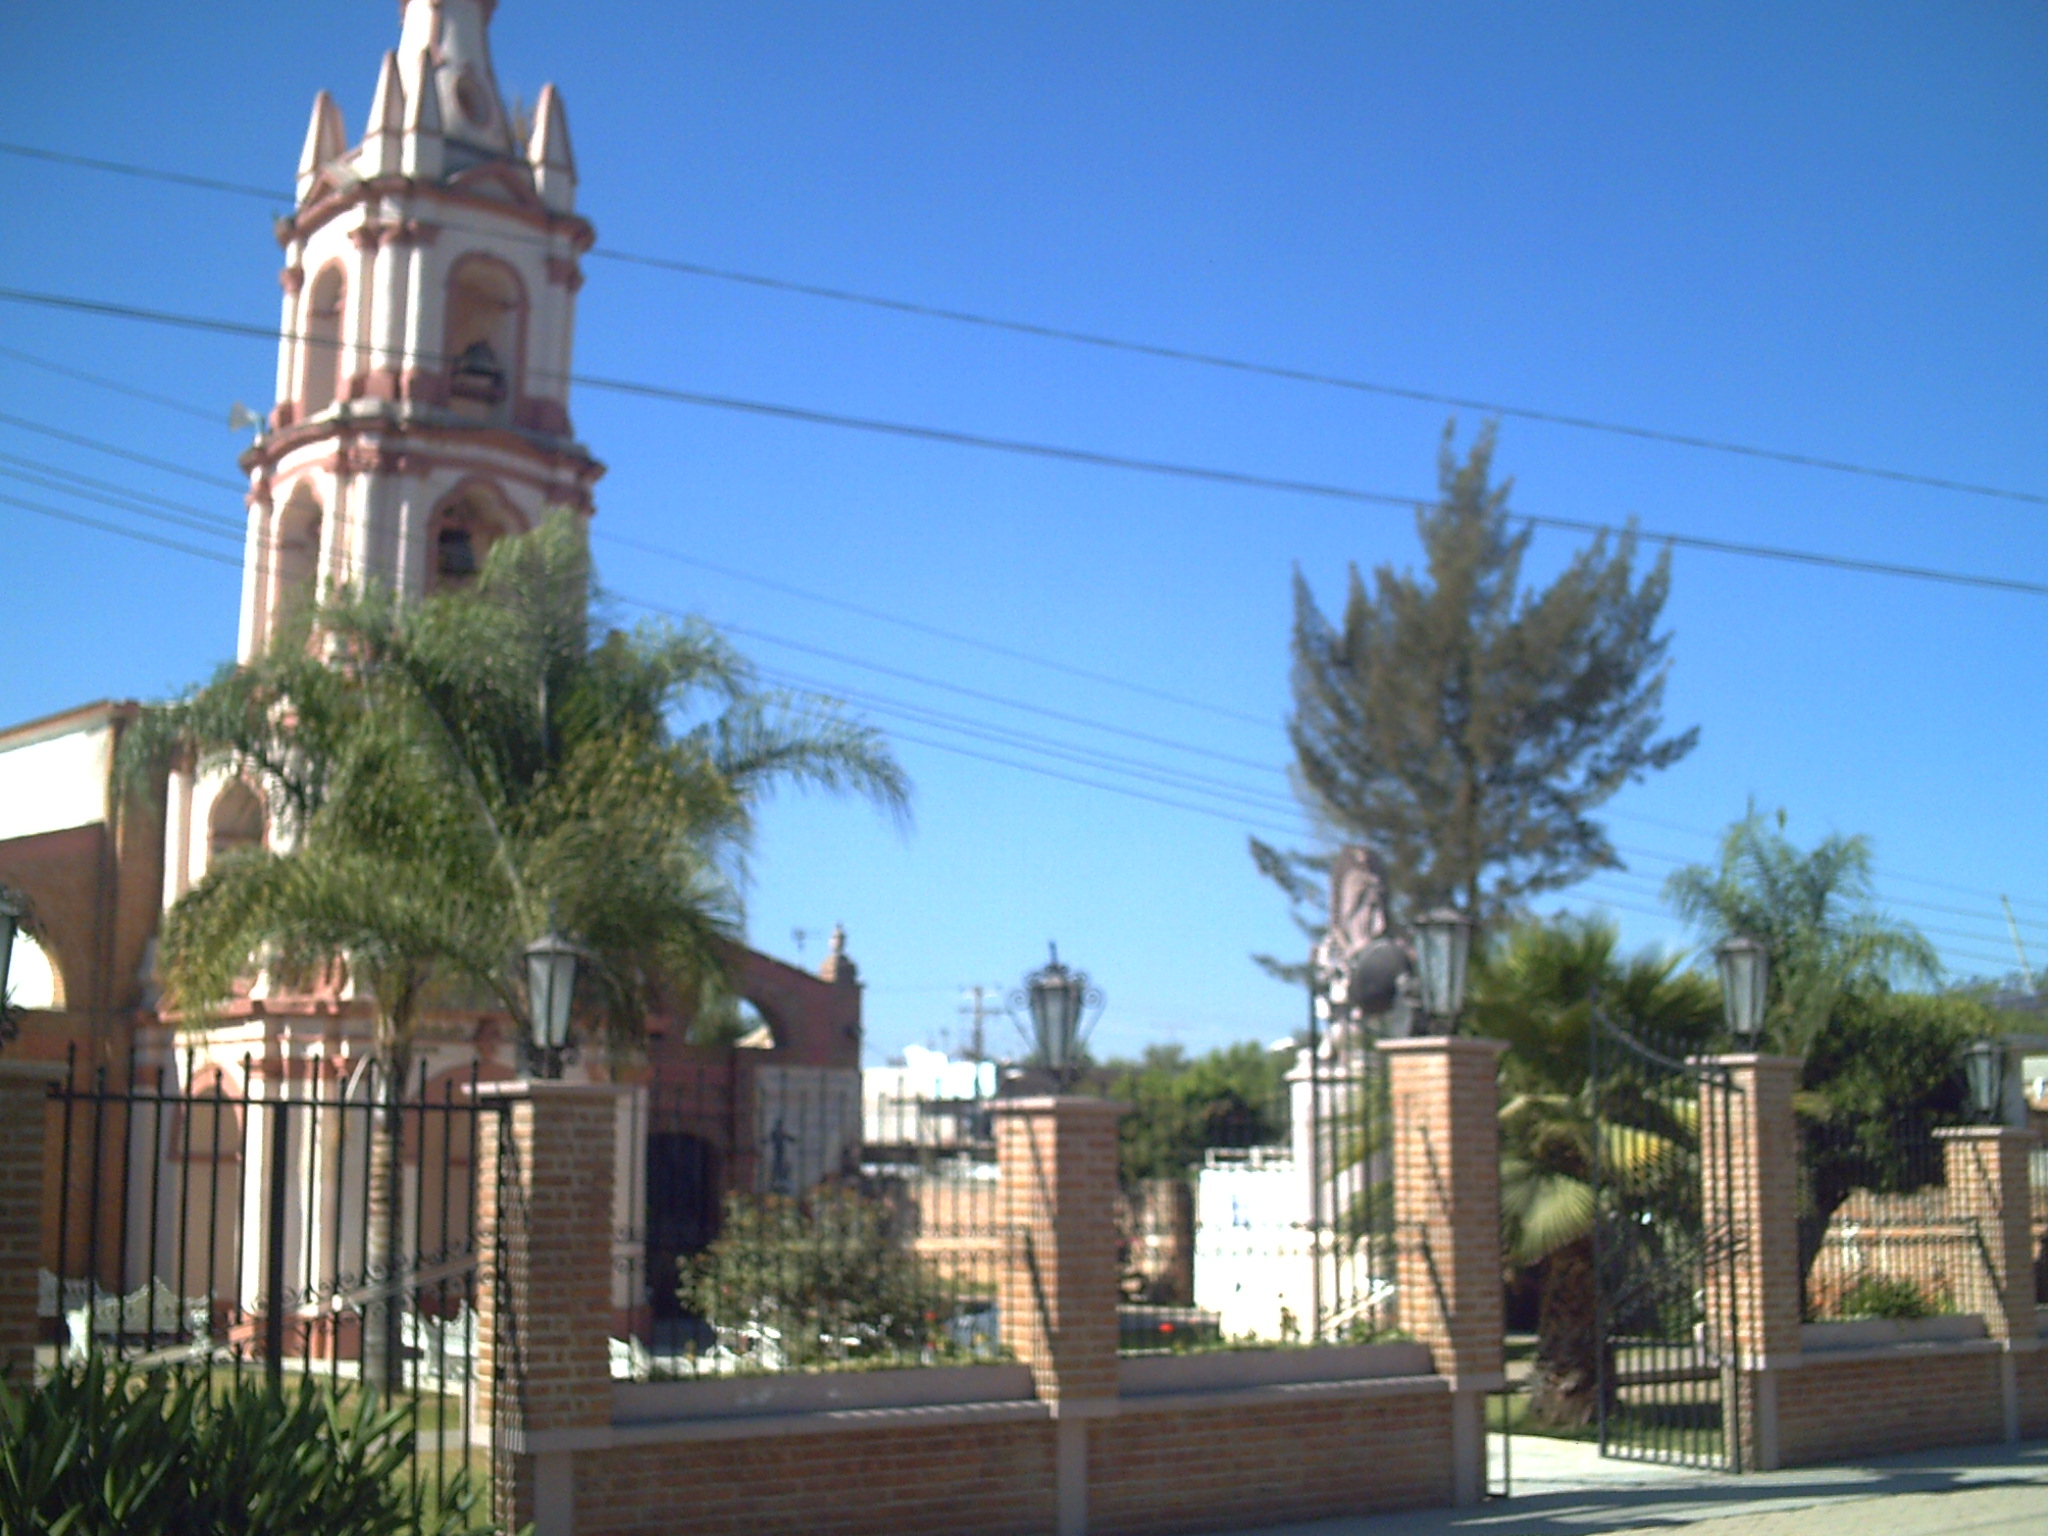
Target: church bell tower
430,285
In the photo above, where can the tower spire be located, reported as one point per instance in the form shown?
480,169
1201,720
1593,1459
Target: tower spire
326,138
548,152
446,46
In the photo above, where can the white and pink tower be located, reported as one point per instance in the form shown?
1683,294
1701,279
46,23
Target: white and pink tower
430,285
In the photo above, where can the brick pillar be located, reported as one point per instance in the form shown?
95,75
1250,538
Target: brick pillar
1445,1125
1749,1177
1058,1296
24,1091
544,1232
1986,1174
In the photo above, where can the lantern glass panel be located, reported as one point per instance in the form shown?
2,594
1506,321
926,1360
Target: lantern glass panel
1445,940
1745,967
551,988
1983,1069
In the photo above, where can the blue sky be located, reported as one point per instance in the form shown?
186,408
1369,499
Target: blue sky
1816,228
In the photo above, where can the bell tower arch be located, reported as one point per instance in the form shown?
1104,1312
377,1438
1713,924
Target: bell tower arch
430,279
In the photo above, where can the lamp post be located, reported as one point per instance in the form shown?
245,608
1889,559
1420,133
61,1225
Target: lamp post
10,924
550,988
1444,941
1984,1072
1055,997
1745,966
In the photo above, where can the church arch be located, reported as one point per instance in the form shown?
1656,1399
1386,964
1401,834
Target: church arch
462,530
235,823
484,343
295,555
320,374
33,979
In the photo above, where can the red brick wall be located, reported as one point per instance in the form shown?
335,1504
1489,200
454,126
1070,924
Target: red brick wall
2031,1373
1170,1469
985,1479
1843,1410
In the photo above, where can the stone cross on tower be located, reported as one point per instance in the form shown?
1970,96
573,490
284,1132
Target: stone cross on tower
429,309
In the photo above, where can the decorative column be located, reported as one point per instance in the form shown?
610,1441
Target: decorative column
544,1239
1445,1124
1057,1161
1749,1179
24,1095
1988,1186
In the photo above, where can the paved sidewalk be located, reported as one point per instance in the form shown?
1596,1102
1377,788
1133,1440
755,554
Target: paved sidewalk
1563,1488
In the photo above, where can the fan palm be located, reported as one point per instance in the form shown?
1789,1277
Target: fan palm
453,776
1537,988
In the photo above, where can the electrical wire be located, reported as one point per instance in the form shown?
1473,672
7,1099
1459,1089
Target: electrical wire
1072,455
1156,350
101,446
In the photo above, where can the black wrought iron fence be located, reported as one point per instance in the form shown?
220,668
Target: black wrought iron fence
1294,1215
1879,1234
297,1219
787,1225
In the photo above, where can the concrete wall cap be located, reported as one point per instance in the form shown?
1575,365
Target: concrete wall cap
1751,1059
546,1088
1065,1104
1984,1133
33,1071
1470,1045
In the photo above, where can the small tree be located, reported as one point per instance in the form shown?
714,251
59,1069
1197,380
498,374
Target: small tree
1465,726
1234,1096
808,1280
1881,1066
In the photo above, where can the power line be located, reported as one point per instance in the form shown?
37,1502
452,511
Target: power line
104,447
1157,350
1086,456
127,533
49,365
917,626
240,487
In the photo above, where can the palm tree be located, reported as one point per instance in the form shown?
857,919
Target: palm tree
1812,910
1537,988
456,775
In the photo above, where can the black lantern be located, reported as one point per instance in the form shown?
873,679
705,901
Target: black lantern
1443,940
1056,999
1745,966
1984,1072
550,988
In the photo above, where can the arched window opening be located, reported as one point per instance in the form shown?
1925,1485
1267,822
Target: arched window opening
33,981
236,824
322,372
485,307
299,529
462,534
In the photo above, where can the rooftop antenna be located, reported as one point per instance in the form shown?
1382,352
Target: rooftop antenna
2013,927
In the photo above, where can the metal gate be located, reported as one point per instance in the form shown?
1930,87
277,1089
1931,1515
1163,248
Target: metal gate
1666,1297
294,1220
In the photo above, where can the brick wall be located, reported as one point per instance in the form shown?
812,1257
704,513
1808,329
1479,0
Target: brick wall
24,1090
1913,1400
1175,1467
925,1477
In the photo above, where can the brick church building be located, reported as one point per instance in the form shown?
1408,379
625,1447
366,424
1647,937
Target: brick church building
430,274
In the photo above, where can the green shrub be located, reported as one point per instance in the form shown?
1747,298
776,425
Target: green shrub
104,1450
1886,1296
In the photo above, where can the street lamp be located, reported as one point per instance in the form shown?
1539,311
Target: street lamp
1444,939
1056,997
1984,1071
1745,980
550,987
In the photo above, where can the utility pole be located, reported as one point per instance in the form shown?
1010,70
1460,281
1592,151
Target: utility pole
978,1010
2012,924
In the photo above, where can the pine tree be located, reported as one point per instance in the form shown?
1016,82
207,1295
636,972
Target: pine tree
1464,726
